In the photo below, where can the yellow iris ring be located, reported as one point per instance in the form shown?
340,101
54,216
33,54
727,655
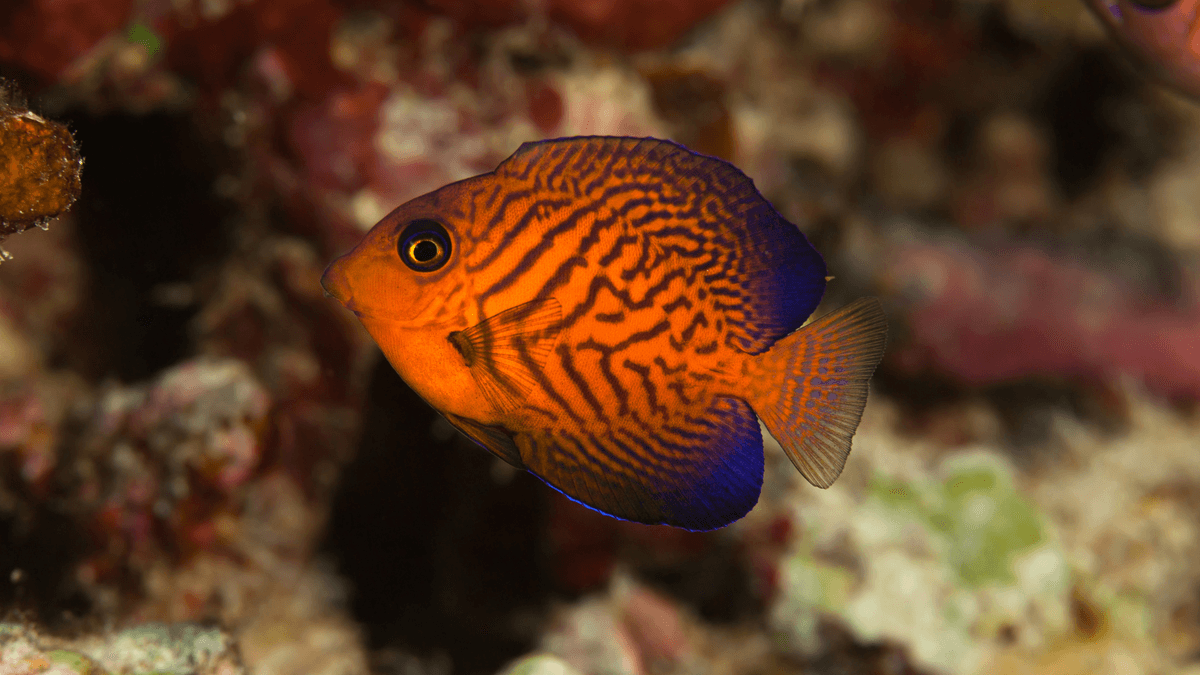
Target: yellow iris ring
412,250
424,245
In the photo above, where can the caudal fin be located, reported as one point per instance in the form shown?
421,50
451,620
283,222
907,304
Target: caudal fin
810,387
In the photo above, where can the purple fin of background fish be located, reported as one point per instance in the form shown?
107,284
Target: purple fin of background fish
778,276
705,477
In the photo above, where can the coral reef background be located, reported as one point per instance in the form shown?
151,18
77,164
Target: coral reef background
207,467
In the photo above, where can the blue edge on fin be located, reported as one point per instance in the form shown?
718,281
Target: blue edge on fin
728,492
792,275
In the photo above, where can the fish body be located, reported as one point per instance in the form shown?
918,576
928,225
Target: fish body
610,314
1164,35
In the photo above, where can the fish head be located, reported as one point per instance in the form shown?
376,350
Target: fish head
1163,35
408,283
407,270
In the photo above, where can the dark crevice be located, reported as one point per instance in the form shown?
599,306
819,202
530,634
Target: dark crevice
443,557
717,584
1094,112
148,222
842,654
39,548
1025,408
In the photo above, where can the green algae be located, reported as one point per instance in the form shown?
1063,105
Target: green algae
539,664
983,520
141,34
943,564
75,661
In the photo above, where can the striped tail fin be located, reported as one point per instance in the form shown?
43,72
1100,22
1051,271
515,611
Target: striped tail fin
810,388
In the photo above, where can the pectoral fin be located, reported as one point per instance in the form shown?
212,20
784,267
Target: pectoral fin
505,350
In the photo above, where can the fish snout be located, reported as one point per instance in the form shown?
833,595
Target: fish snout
335,283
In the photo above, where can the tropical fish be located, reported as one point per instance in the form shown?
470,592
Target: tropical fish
1164,35
609,314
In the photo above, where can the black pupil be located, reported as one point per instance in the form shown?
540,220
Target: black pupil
424,245
424,251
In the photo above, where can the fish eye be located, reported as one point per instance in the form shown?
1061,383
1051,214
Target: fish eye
1153,4
424,245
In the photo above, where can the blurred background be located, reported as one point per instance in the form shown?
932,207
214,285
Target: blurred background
206,466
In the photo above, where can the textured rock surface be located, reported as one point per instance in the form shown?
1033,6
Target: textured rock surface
177,649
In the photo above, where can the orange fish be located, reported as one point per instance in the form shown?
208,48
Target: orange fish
609,314
1164,35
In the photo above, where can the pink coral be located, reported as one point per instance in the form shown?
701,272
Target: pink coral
988,316
26,430
47,36
177,451
656,626
634,24
208,415
333,138
630,24
213,51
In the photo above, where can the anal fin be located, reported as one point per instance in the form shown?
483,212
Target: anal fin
701,470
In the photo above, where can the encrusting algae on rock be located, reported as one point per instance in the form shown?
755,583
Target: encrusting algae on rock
941,564
978,568
40,168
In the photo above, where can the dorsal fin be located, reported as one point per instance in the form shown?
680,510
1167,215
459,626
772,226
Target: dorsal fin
769,278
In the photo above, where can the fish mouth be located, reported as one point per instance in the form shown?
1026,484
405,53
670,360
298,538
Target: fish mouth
336,285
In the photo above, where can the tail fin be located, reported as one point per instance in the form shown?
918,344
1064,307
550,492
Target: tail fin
810,387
